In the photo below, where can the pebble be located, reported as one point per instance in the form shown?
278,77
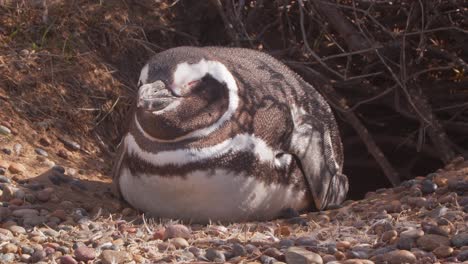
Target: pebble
173,231
113,257
343,245
41,152
179,242
430,242
34,220
274,253
215,255
297,255
9,248
128,211
7,151
84,253
38,255
63,153
17,168
69,143
306,241
443,251
17,148
267,260
4,213
458,185
67,259
25,212
27,249
286,243
463,256
328,258
25,258
399,256
165,246
460,240
4,130
17,229
4,179
2,171
78,184
50,232
412,233
238,250
406,243
428,187
7,258
159,233
44,141
44,195
389,236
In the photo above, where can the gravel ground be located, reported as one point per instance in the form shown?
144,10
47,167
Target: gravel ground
60,214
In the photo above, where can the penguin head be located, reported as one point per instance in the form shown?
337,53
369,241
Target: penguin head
184,95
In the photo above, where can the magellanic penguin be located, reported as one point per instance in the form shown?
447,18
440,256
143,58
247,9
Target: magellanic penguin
228,134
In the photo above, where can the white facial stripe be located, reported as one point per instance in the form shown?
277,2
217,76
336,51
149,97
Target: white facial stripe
186,73
242,142
144,75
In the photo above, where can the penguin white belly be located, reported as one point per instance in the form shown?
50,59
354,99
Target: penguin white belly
212,194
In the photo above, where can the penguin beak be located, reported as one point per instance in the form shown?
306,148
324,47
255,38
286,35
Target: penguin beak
154,97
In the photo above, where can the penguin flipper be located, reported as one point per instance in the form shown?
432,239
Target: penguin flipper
312,143
117,166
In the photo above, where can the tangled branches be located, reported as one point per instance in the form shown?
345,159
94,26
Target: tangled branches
395,71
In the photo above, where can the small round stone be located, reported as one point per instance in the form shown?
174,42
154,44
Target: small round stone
302,255
463,256
179,242
406,243
443,251
343,245
27,249
17,229
67,259
84,253
428,187
7,151
215,255
41,152
238,250
412,233
306,241
4,130
9,248
389,236
286,243
112,256
7,258
399,256
17,148
17,168
4,179
430,242
173,231
25,258
38,255
274,253
460,239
